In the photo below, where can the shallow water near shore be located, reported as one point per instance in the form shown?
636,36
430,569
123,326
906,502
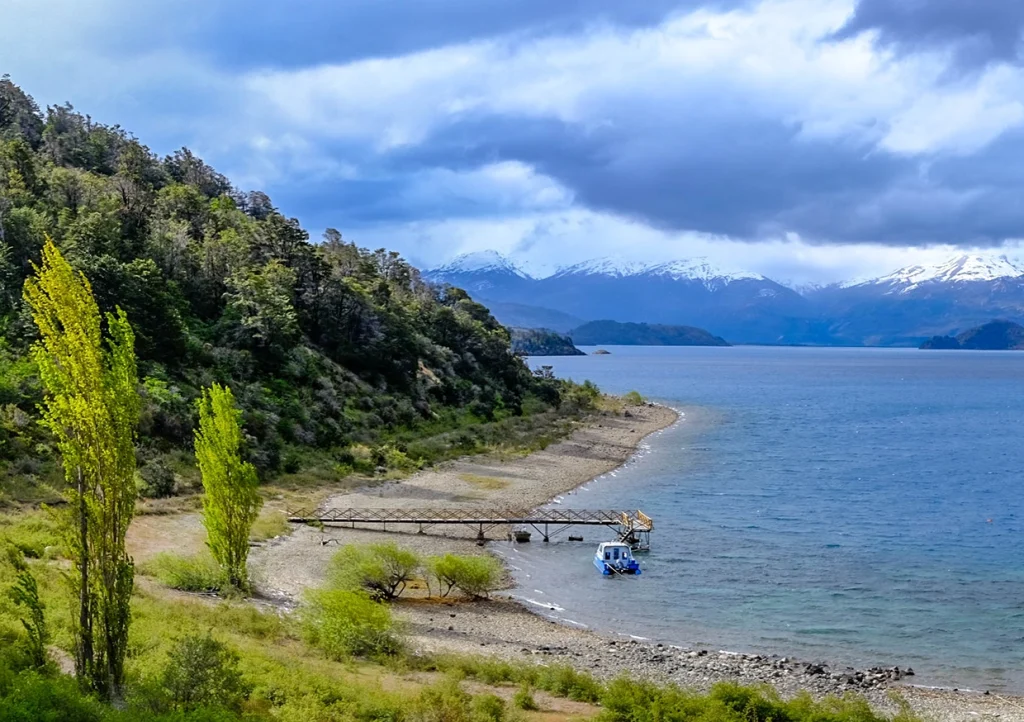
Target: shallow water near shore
854,506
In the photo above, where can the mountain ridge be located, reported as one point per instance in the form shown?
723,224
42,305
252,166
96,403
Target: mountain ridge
900,308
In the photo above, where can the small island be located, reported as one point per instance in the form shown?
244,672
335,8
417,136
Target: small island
642,334
542,342
992,336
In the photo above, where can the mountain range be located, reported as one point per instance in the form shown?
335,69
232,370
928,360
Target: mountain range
902,308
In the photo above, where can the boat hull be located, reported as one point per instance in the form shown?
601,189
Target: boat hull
632,568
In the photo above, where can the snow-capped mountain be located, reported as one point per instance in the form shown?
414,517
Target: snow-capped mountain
608,266
958,269
479,262
485,274
899,308
733,303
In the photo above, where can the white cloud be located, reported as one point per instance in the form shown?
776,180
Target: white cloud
771,57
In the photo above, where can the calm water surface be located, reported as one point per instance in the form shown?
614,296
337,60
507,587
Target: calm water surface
858,506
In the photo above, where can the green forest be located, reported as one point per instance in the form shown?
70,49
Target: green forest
340,357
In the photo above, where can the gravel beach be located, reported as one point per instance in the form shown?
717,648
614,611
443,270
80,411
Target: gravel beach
286,566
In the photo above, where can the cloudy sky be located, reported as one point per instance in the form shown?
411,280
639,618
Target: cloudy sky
810,140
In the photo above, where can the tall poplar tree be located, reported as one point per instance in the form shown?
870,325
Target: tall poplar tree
92,407
232,500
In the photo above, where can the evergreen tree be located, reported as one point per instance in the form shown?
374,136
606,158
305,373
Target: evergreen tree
92,407
232,501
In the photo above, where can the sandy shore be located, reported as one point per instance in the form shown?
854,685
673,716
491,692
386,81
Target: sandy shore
287,566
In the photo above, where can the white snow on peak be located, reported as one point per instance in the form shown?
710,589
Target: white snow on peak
479,262
958,269
696,269
608,266
700,269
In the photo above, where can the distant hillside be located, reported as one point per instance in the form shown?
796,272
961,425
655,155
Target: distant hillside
542,342
992,336
642,334
521,315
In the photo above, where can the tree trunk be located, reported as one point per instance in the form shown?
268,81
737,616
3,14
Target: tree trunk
84,661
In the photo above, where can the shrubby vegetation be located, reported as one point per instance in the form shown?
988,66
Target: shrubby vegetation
381,570
474,576
257,667
330,349
348,624
199,573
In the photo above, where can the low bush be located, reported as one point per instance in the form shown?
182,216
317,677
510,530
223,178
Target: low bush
155,481
474,576
445,701
346,624
202,672
523,699
382,570
564,681
488,708
627,700
633,398
199,573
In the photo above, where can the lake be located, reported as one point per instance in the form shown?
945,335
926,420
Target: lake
857,506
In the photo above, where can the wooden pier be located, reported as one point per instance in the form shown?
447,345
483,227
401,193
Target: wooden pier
632,526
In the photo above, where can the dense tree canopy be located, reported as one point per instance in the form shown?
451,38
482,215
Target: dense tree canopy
325,344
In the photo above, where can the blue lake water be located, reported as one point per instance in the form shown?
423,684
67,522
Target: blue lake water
854,506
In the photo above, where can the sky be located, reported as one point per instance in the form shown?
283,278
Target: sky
808,140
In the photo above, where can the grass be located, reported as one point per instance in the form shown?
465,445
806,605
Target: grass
489,483
198,573
270,523
292,680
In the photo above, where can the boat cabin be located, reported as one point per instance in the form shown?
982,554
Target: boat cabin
615,558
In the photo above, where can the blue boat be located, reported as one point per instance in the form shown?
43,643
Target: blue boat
615,558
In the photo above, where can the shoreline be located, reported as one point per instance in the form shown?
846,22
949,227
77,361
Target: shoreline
498,627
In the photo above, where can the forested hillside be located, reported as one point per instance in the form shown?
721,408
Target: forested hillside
330,349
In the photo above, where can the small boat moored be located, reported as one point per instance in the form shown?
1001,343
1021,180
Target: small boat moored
615,558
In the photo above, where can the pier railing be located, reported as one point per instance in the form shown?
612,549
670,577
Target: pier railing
629,524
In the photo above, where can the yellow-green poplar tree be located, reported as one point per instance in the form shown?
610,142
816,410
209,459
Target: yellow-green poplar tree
92,407
232,500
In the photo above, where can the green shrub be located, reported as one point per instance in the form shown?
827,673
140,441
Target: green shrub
474,576
564,681
633,398
198,573
348,624
203,672
445,701
627,700
523,699
32,534
25,595
155,481
382,570
33,697
488,708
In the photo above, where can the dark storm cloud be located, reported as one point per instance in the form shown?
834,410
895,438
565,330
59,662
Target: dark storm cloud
736,174
289,35
978,31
